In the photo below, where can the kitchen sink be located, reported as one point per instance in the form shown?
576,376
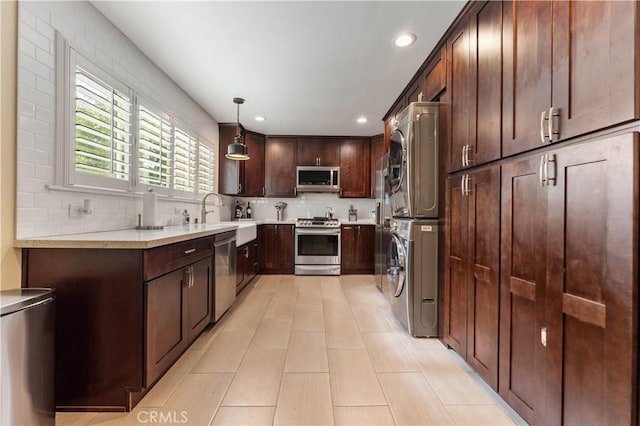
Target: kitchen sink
247,231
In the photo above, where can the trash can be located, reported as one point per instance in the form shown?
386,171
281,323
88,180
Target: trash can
27,350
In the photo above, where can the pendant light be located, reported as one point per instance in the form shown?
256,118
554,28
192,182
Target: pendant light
237,150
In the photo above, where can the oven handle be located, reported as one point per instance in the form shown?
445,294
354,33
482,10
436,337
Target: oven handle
306,231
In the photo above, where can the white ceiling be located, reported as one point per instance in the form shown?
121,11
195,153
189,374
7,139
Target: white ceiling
311,68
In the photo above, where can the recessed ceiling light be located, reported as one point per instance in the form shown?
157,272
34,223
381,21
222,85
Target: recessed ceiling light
260,118
362,120
404,40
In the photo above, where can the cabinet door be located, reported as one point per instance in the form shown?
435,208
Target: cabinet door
253,185
526,44
230,172
165,328
483,275
456,261
365,243
459,88
594,66
355,160
486,83
435,80
348,247
522,293
277,249
200,297
281,159
592,283
318,152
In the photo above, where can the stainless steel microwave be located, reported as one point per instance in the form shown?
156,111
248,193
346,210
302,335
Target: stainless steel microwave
317,179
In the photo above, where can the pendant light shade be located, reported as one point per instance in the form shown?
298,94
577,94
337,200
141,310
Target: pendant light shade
237,151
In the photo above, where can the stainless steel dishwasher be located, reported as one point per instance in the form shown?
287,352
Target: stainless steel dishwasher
27,355
225,273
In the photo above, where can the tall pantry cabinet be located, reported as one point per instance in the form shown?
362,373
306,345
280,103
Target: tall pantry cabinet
541,248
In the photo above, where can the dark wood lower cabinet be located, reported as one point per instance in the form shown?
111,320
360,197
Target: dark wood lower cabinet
122,316
178,309
276,249
472,270
357,249
246,264
569,284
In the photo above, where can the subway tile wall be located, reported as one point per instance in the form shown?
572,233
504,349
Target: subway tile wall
43,212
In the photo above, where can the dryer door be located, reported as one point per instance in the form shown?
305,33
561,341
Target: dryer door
397,160
396,271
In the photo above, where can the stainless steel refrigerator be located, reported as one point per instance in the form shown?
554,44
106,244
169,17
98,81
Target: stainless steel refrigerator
383,222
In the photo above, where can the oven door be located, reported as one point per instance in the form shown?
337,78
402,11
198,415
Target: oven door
315,246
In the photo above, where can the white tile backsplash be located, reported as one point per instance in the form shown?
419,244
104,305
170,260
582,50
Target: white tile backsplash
42,211
309,205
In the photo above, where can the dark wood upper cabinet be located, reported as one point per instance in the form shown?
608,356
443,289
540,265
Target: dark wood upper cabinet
355,163
253,185
318,152
569,69
526,73
281,159
435,80
414,91
595,71
475,85
486,83
231,172
241,177
459,92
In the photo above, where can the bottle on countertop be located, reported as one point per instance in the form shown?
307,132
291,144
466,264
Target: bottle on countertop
186,219
249,210
238,210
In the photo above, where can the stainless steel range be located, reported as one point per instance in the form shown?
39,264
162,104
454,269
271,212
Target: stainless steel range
317,246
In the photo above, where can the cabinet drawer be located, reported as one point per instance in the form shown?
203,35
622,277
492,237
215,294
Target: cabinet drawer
161,260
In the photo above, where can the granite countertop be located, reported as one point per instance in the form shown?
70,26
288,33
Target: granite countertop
130,238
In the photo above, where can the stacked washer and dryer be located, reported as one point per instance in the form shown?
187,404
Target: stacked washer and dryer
412,256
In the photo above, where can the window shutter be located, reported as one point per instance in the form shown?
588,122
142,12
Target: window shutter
184,162
102,128
154,148
206,166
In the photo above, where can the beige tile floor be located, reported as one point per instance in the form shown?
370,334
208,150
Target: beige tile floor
312,351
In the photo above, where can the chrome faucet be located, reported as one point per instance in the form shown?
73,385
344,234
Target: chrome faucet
203,213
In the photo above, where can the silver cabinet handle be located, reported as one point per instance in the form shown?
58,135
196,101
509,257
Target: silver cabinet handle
541,172
464,156
189,251
554,124
193,280
295,190
263,191
467,155
462,184
550,180
543,336
543,136
467,185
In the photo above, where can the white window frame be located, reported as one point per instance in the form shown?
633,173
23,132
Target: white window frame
67,58
71,176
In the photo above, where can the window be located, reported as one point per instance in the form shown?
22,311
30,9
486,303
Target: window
102,118
112,139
